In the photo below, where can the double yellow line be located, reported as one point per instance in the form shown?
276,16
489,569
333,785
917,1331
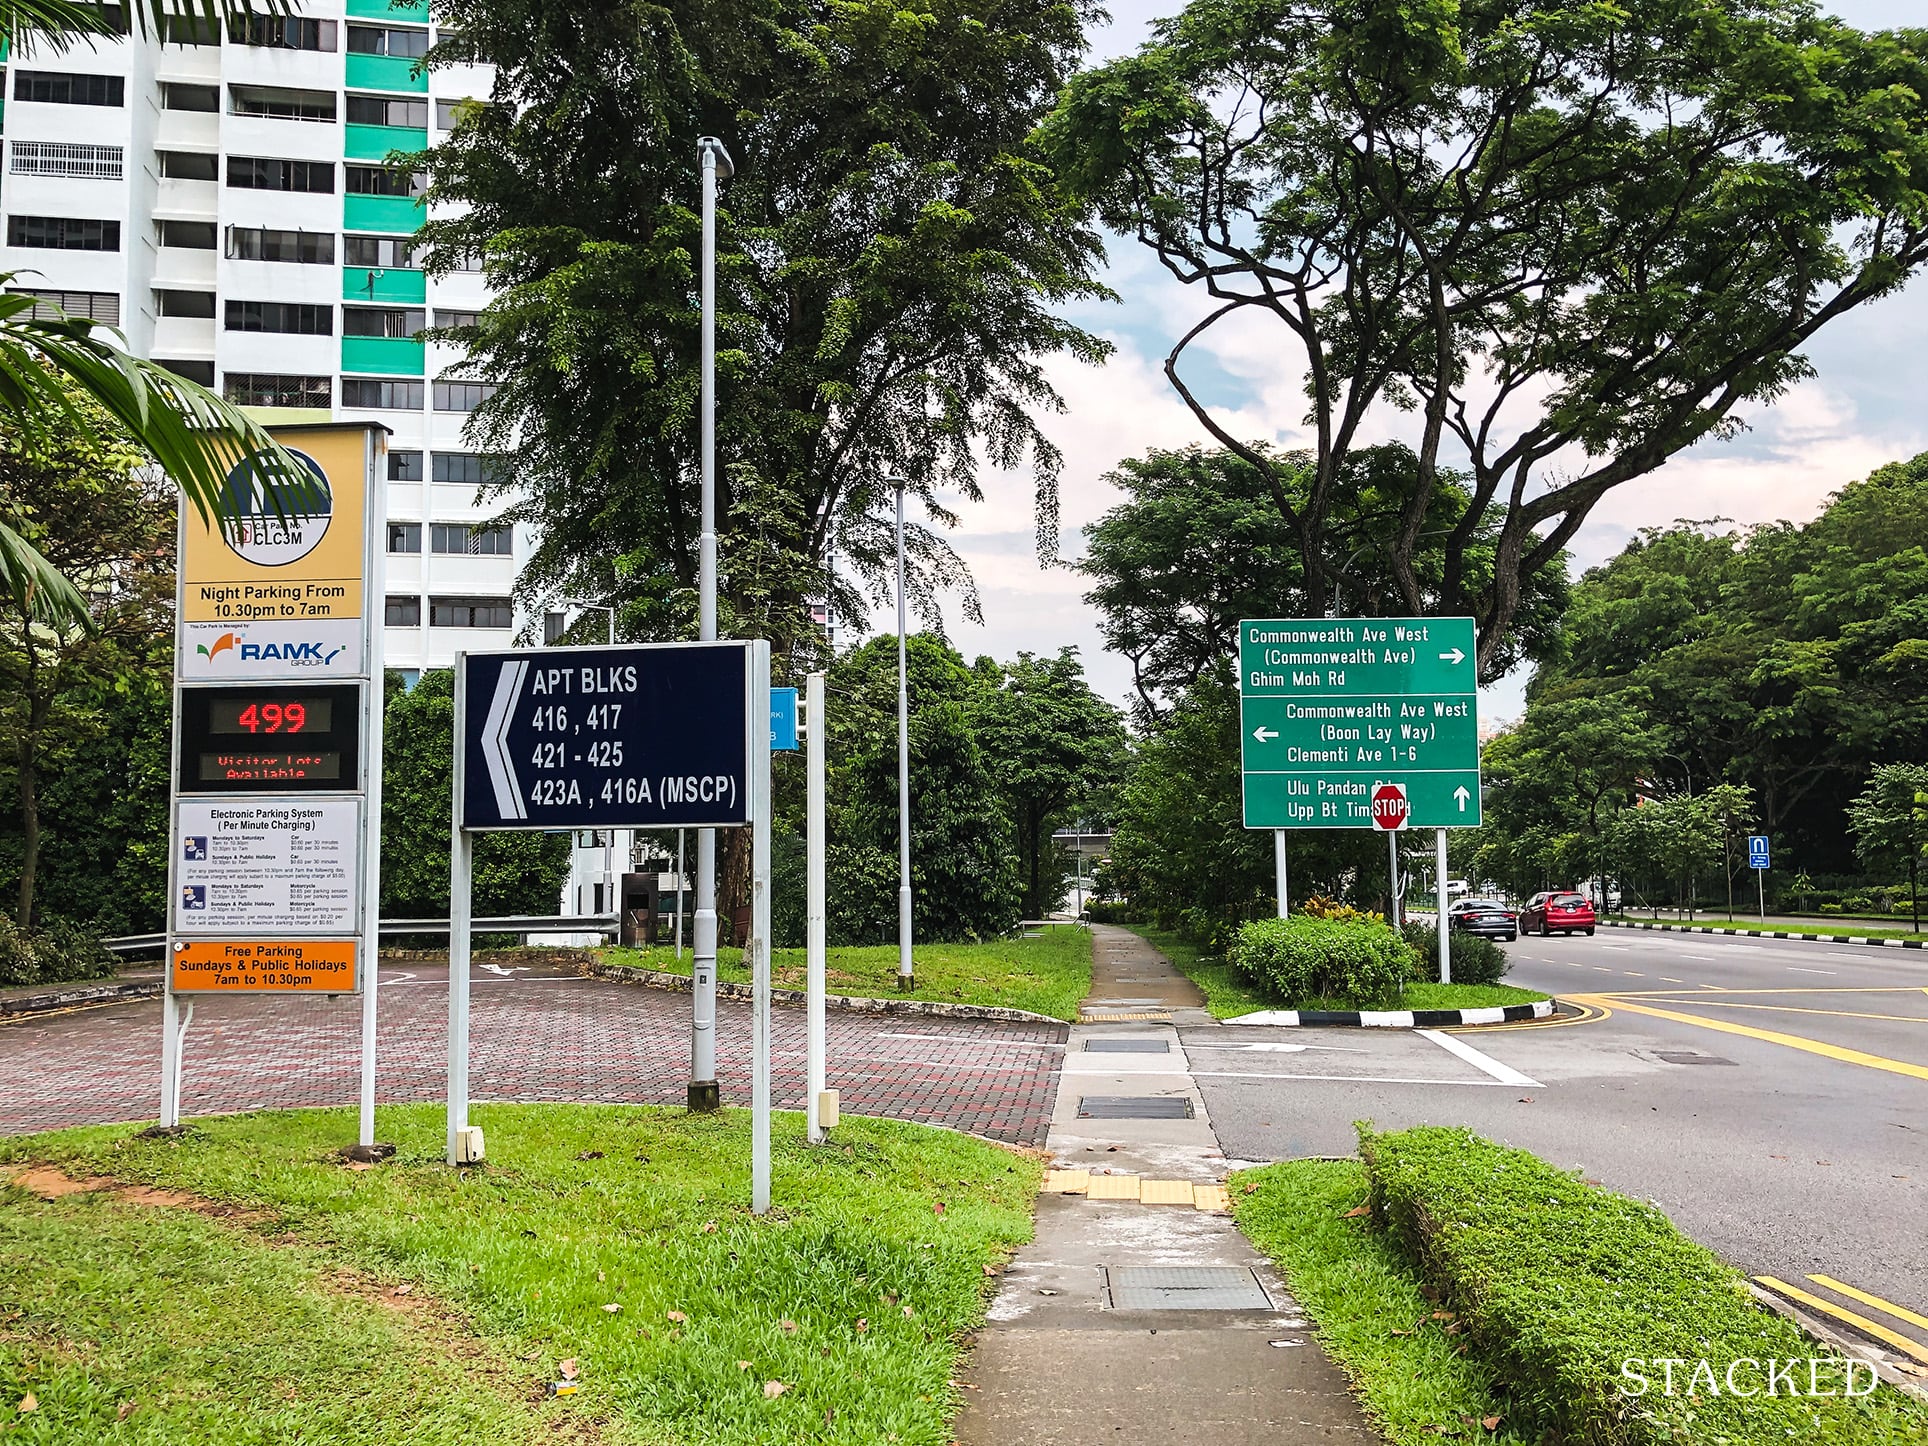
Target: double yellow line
1860,1322
1770,1036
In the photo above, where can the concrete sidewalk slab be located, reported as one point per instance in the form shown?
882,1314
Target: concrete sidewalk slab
1058,1361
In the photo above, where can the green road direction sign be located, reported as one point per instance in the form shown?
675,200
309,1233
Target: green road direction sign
1329,707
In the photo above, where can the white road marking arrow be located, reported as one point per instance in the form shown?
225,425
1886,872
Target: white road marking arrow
1456,656
508,973
495,740
1462,795
1264,734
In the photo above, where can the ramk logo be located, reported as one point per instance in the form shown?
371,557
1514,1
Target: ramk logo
302,654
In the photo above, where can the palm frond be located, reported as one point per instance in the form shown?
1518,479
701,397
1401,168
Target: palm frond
36,586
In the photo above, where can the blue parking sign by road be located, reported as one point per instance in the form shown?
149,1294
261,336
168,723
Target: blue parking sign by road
783,720
1757,850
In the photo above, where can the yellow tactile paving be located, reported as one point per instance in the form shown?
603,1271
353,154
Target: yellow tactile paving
1210,1197
1066,1182
1113,1187
1165,1192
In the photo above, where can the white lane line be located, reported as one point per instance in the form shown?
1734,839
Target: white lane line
1623,948
1272,1047
1346,1078
1504,1073
1671,980
954,1039
1704,958
1797,969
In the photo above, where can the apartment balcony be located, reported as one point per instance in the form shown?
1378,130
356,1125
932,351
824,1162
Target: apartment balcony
389,215
386,72
374,143
393,356
374,283
415,11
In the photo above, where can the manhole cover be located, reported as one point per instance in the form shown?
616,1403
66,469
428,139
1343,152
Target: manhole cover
1675,1056
1135,1107
1127,1046
1185,1287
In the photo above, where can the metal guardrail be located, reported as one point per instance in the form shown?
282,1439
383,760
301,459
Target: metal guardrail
391,928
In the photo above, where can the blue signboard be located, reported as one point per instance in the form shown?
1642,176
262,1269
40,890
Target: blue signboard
1757,850
653,735
783,720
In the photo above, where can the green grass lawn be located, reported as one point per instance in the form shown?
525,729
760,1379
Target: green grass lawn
1845,930
1372,1315
837,1318
1048,974
1228,995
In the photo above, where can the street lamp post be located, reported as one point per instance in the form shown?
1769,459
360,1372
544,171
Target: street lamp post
703,1092
906,973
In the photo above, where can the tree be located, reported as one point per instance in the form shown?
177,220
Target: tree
964,879
1052,745
1568,239
57,374
1198,545
92,510
893,261
1890,824
514,873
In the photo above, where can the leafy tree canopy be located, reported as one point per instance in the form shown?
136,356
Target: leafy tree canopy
893,259
1567,239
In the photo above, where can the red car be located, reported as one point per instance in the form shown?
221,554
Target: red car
1560,912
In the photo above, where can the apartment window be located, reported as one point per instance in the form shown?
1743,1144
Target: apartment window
298,105
445,317
471,612
190,165
62,158
404,467
295,317
458,539
185,303
190,30
292,33
451,113
62,233
52,87
387,40
393,321
380,181
380,110
403,612
404,537
190,235
193,371
382,251
54,305
257,173
465,261
260,243
467,469
462,396
272,389
381,393
175,96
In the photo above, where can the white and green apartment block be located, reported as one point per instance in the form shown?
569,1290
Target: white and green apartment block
222,198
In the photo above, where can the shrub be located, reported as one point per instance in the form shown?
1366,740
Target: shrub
1360,962
1476,959
1320,907
1557,1283
52,955
1109,911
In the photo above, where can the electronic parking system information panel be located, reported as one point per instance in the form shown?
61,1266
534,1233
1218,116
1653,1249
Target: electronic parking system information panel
1330,709
649,736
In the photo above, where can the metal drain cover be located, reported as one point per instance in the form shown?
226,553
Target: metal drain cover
1135,1107
1185,1287
1676,1056
1127,1046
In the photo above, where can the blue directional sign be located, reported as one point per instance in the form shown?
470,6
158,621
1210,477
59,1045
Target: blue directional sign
653,735
1757,850
783,720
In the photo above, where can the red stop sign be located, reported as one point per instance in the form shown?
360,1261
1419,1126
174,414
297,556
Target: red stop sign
1389,807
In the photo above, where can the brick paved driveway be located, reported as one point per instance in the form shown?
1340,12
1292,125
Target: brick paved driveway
534,1036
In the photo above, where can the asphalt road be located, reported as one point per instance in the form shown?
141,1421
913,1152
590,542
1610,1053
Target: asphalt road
1771,1096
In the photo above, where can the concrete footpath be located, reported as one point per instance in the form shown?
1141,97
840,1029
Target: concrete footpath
1139,1307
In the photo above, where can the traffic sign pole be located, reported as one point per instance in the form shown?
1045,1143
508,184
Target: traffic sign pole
1278,870
814,908
1445,938
760,825
1392,844
461,869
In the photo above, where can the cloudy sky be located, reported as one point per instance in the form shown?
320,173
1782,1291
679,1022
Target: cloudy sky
1863,408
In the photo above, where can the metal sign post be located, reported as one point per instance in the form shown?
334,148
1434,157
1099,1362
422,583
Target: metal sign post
633,736
274,861
1757,860
814,907
1445,933
1278,870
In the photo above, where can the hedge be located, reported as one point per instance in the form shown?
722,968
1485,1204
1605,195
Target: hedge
1559,1283
53,955
1476,959
1362,963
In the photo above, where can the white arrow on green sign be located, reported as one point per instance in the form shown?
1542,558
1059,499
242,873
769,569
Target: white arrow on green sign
1330,707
